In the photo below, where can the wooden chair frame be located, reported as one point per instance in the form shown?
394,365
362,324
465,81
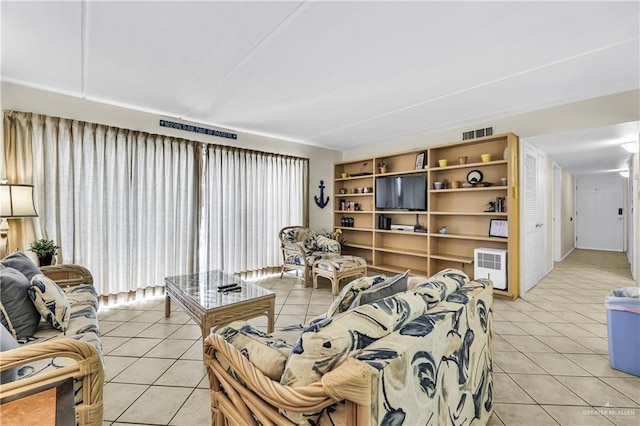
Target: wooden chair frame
335,276
250,398
88,367
294,249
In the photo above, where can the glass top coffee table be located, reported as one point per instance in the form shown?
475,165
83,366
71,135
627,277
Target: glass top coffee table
198,295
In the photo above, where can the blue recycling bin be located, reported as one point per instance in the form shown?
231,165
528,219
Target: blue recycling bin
623,329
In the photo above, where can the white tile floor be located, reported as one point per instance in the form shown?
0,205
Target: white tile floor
550,352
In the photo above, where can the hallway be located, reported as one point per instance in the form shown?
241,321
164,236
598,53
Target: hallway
551,351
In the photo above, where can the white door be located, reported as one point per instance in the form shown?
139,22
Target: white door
600,212
530,214
541,216
534,184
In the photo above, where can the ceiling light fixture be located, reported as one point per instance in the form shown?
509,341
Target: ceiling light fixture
630,146
624,173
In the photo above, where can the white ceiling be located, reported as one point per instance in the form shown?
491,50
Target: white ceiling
333,74
590,151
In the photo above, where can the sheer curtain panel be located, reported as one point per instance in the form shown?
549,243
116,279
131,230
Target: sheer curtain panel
247,198
18,168
135,207
122,203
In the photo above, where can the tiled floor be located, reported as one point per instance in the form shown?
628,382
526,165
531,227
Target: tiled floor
550,352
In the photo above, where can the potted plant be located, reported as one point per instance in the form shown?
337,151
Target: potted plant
45,250
383,165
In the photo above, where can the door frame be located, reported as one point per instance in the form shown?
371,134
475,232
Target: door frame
542,263
557,213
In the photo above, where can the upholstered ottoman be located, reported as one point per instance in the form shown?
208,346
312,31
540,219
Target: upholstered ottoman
337,268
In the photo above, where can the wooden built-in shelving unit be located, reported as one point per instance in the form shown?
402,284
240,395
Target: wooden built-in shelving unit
461,210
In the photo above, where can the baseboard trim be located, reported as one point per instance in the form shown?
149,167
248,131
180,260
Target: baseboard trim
568,253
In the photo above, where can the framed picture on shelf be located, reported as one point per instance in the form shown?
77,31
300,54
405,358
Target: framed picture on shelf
498,228
420,161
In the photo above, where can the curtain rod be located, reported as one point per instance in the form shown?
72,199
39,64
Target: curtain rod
236,148
11,112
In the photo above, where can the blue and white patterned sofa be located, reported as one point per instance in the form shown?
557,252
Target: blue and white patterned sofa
420,356
301,247
52,355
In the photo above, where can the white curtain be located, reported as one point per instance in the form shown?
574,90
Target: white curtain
135,207
18,168
122,203
247,198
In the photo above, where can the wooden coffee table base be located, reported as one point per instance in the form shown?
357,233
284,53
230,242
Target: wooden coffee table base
222,315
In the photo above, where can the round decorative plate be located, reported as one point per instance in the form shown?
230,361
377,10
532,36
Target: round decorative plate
474,177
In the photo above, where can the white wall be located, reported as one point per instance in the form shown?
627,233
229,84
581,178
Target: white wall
21,98
634,215
617,108
567,213
603,111
548,221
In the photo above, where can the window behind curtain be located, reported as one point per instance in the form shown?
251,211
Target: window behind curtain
122,203
248,197
134,207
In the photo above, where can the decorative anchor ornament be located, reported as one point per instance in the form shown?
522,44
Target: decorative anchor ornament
321,202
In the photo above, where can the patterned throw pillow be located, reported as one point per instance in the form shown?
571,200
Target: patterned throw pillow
325,344
440,285
51,301
301,235
21,262
268,354
17,313
378,291
327,244
349,292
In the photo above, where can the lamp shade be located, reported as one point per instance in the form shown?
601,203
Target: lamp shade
16,200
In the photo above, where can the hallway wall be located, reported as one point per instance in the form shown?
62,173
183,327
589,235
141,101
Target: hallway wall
567,212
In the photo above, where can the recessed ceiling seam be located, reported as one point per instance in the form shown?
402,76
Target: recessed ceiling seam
477,86
250,53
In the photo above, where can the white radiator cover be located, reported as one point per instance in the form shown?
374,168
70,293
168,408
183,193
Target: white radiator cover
492,264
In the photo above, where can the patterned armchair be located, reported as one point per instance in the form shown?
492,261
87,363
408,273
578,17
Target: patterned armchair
419,356
301,247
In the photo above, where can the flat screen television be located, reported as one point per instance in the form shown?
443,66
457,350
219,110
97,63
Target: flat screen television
401,192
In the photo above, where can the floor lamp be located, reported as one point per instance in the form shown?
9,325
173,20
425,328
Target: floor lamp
16,201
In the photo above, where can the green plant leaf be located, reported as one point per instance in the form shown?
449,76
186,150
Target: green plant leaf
44,247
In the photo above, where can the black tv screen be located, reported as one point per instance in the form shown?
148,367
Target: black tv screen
401,192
